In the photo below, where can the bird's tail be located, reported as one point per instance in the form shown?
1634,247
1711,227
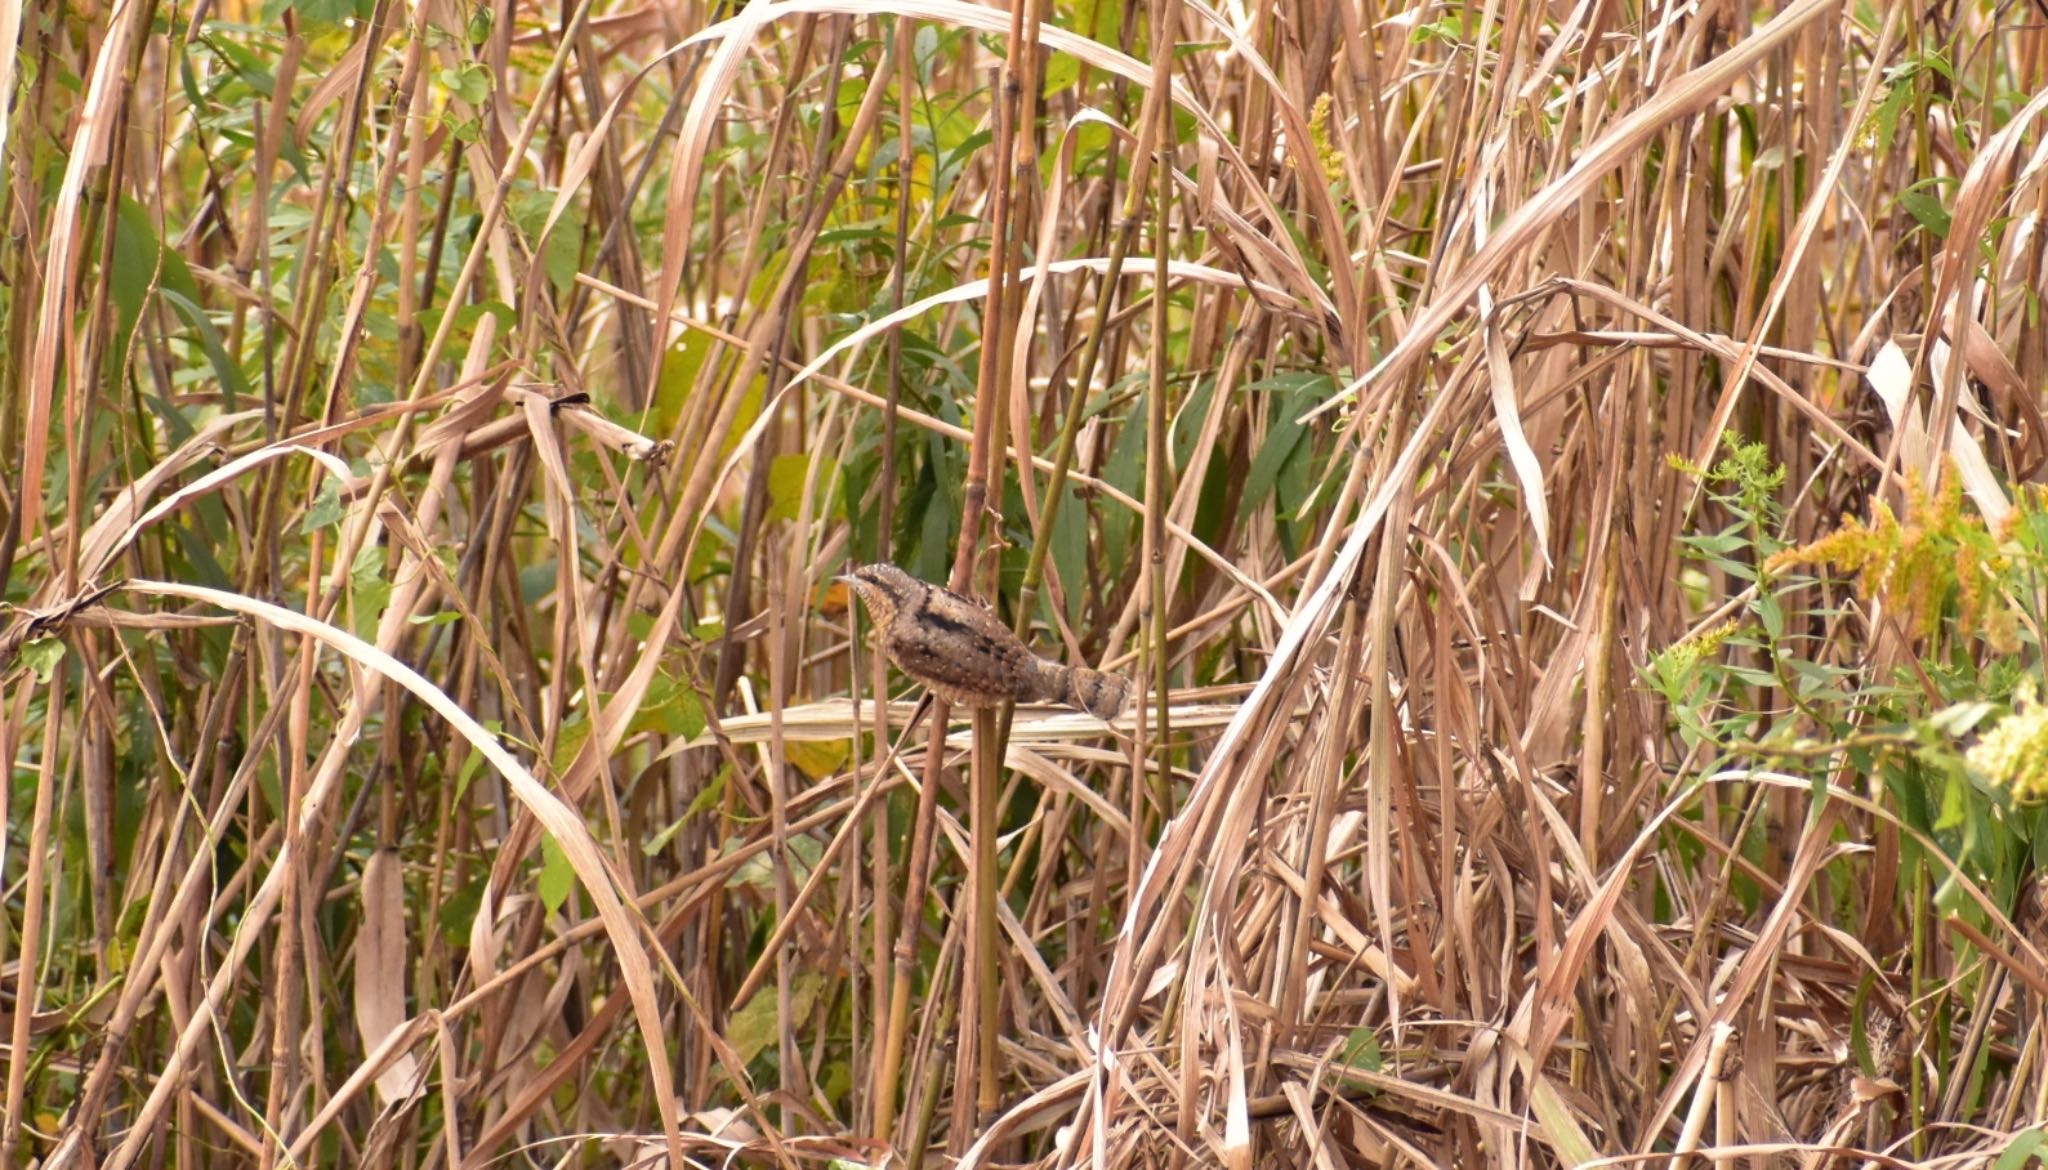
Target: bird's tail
1101,695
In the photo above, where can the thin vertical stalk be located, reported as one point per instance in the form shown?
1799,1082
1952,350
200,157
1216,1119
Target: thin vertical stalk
884,540
986,828
915,875
1152,648
885,512
790,1068
285,1038
978,1021
27,983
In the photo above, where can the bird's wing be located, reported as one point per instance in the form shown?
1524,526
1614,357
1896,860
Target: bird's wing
962,661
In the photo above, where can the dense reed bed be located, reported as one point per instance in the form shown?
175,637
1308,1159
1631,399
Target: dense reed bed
1558,473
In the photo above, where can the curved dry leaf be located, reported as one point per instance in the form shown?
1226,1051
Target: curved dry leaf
1891,376
1976,199
10,48
1817,202
686,157
87,153
117,525
379,965
1978,479
334,81
1507,410
396,1044
1236,1149
832,719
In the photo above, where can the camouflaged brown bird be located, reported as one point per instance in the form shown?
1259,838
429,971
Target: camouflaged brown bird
959,648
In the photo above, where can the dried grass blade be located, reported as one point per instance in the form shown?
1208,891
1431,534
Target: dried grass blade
1522,457
88,151
380,966
10,49
1963,447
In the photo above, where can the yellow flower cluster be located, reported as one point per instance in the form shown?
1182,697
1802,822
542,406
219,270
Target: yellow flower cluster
1916,566
2015,752
1690,652
1323,128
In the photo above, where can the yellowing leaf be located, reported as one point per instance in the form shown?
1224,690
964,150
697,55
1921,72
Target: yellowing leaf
756,1024
819,760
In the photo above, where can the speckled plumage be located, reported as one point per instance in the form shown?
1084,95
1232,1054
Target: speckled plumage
959,648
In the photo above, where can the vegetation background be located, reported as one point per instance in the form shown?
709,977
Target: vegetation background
428,433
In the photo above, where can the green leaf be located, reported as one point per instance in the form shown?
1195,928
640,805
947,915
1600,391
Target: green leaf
234,386
756,1024
963,148
1954,803
458,910
711,795
1928,210
2022,1148
42,656
670,708
707,798
557,877
1060,72
1099,19
1185,427
818,760
471,83
326,511
1124,471
1362,1050
130,274
1772,615
370,590
1293,395
864,234
473,761
250,68
705,802
1959,719
1070,551
560,256
328,11
1859,1025
786,477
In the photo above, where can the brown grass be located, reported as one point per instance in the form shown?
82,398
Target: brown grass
427,440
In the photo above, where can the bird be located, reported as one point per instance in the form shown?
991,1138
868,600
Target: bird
957,646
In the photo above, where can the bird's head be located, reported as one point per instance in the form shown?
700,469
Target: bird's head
883,588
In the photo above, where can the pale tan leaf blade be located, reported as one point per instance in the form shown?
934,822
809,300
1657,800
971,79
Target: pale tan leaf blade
1507,411
380,965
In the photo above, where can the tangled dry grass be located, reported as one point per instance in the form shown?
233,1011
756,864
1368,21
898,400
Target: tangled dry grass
428,433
